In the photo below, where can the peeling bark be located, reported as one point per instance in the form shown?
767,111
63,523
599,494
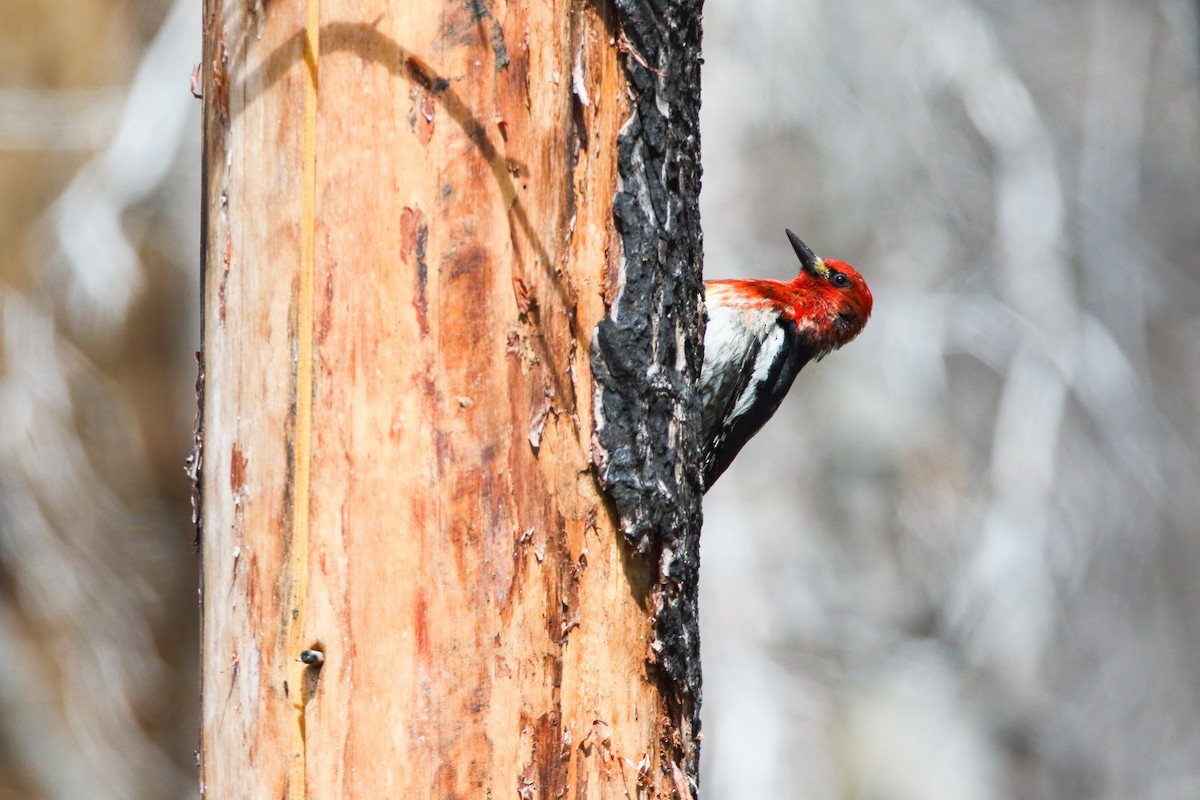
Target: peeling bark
647,352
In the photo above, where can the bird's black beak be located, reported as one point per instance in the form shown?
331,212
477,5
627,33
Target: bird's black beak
808,259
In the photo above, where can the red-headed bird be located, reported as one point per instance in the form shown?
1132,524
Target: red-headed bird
760,334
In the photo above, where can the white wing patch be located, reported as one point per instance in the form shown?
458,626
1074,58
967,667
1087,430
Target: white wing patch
751,357
732,336
768,354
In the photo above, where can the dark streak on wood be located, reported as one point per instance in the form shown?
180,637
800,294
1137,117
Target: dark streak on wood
499,50
219,60
495,37
544,775
226,263
423,74
194,466
287,501
414,233
325,311
465,263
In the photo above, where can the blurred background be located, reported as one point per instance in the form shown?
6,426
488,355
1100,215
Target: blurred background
962,560
958,564
99,320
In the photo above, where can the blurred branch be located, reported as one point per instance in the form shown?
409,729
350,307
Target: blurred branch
93,264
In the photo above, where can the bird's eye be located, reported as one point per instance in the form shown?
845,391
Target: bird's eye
840,280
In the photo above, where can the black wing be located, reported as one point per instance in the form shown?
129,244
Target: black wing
761,382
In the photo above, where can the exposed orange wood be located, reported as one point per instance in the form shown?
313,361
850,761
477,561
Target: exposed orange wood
430,522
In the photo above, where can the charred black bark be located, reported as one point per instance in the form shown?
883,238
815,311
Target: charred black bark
647,353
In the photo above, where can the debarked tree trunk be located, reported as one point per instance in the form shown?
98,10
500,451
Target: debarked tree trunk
426,227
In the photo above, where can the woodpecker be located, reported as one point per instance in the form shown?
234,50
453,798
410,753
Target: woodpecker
760,334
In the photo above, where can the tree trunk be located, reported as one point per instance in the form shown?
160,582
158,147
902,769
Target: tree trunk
409,247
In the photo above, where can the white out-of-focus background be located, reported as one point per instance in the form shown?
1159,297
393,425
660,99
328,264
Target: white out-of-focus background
963,561
960,563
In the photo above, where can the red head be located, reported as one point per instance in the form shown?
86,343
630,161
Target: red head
828,302
832,300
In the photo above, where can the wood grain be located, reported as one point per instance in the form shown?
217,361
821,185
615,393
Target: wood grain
433,525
